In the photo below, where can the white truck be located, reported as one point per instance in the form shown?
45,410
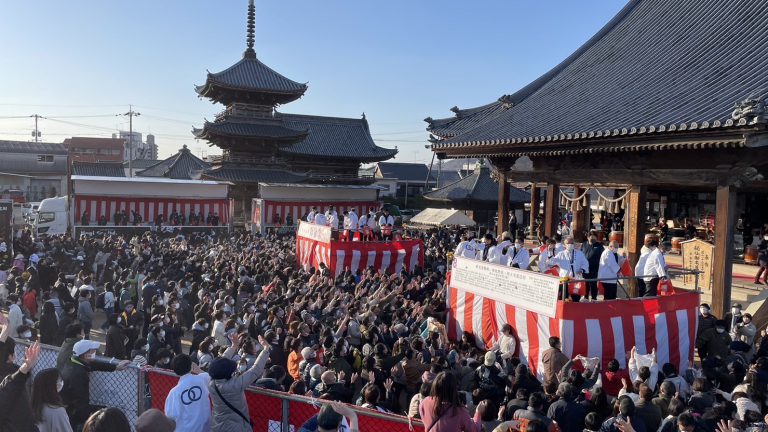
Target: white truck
121,205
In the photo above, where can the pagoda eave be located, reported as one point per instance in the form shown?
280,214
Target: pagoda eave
224,94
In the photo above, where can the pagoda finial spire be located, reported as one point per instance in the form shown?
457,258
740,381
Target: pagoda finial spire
249,52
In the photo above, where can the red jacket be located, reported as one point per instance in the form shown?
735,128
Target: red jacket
612,381
30,302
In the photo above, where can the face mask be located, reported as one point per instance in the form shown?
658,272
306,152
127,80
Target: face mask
175,305
90,356
161,334
231,302
160,302
146,347
59,386
165,360
704,311
26,335
720,330
518,245
735,310
242,368
569,247
206,325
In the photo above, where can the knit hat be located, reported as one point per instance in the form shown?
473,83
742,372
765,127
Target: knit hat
222,368
308,353
154,420
490,358
316,372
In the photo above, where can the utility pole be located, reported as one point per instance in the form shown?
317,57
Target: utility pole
131,114
36,133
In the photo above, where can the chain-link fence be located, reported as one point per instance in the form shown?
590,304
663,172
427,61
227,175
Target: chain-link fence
120,389
273,411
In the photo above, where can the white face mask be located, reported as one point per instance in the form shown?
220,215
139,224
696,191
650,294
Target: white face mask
206,325
242,368
26,335
175,305
161,334
518,246
164,360
704,311
90,356
160,302
735,310
146,347
720,330
59,386
166,320
569,247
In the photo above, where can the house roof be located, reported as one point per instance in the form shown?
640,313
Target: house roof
182,165
412,172
252,175
478,187
657,68
32,147
98,169
334,137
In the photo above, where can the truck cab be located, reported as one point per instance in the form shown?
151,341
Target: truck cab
52,217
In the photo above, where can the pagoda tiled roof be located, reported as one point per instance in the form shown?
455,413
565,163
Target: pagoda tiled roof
243,129
252,175
659,68
251,75
411,172
478,187
334,137
182,165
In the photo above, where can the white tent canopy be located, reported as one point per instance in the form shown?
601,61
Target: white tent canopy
438,217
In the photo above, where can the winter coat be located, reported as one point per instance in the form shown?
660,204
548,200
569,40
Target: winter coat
224,419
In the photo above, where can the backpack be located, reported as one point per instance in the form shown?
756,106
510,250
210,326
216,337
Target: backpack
100,300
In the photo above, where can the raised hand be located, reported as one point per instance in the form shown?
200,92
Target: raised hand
388,384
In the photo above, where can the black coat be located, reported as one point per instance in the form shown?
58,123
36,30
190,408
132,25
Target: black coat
593,253
76,392
49,329
116,343
16,413
568,414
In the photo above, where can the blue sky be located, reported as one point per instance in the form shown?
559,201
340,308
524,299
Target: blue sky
80,62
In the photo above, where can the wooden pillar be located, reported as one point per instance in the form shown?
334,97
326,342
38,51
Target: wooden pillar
580,222
534,210
551,207
634,229
502,223
725,220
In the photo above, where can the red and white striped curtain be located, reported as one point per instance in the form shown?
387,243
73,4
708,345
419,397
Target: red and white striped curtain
298,209
149,208
606,330
391,257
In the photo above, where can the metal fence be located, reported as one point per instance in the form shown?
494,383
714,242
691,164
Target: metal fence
135,390
275,411
120,389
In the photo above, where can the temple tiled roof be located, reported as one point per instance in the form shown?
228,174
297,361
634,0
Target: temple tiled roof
252,175
233,128
182,165
411,172
251,75
465,119
98,169
478,187
334,137
658,68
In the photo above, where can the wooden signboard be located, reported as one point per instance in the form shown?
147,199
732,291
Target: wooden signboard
698,255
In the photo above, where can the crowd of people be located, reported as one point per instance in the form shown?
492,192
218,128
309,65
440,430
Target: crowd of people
225,313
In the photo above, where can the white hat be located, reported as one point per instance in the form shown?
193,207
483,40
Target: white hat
34,258
83,346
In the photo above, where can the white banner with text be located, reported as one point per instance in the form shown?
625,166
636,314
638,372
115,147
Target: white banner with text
525,289
319,233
